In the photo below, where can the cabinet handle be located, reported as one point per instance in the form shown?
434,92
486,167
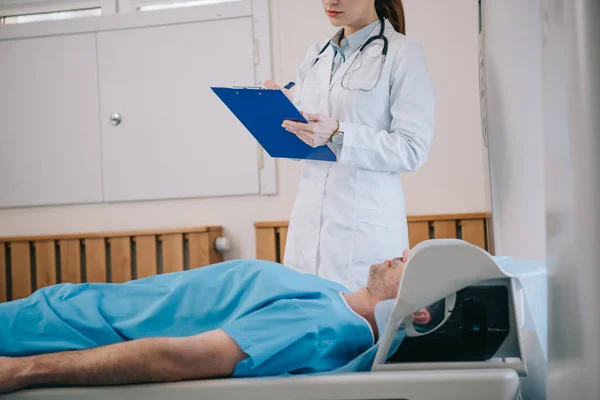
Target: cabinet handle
115,119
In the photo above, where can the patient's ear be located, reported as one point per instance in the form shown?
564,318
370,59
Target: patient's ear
422,317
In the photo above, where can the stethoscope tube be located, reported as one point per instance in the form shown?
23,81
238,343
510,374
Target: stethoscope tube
365,44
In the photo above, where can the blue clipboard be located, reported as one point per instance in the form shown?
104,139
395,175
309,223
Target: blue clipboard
262,111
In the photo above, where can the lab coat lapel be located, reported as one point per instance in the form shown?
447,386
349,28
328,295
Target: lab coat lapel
323,77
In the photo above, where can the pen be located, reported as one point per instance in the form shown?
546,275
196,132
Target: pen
289,85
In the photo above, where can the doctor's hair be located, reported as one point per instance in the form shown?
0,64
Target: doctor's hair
393,10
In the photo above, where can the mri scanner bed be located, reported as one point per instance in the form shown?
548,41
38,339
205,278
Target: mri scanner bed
414,385
485,343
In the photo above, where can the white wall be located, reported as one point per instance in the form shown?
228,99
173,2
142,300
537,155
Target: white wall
454,178
452,181
513,85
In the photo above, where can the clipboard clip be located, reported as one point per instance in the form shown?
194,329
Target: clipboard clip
287,87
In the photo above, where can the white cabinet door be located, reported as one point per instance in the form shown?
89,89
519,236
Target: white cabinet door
49,127
175,139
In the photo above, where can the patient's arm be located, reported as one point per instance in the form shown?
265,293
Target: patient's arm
209,355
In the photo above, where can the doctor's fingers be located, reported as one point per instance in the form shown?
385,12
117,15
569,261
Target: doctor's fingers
311,117
269,84
294,126
306,138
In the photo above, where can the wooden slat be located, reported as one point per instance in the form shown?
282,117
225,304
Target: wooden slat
444,229
70,261
215,256
95,260
282,239
410,218
199,249
265,244
271,224
3,283
99,235
418,227
45,263
145,254
445,217
417,232
473,231
490,235
20,270
172,253
120,259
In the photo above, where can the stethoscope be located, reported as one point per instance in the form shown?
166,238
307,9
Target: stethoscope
360,52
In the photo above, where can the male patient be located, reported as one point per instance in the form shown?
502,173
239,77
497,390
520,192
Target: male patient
236,318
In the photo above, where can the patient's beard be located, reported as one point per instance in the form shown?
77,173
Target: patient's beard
376,282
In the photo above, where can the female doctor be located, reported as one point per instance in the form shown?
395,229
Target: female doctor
367,95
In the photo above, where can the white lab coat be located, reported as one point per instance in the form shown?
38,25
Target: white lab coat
350,214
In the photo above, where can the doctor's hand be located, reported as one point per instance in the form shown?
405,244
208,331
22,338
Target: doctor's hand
272,85
316,132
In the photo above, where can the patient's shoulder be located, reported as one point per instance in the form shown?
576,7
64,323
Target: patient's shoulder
342,334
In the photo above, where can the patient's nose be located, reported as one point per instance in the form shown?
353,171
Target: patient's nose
396,261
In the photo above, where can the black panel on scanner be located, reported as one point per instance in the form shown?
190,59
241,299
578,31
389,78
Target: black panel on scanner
474,331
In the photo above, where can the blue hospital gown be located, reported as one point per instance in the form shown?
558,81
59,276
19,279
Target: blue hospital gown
285,321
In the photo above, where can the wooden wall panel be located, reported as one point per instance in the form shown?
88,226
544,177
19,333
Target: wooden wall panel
265,244
145,254
199,249
172,253
3,277
444,229
120,259
20,270
282,240
475,228
417,232
45,263
70,260
95,260
473,231
95,252
489,231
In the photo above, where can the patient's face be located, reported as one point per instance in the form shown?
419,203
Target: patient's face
384,278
